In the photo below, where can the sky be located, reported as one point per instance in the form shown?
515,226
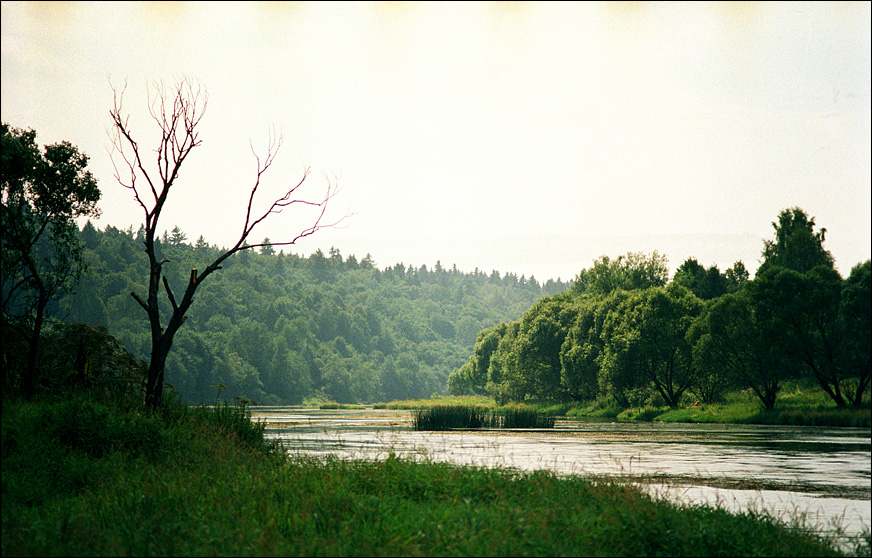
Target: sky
528,137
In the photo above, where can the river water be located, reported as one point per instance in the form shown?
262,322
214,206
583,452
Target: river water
819,475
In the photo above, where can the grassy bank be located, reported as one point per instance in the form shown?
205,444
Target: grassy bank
84,477
797,404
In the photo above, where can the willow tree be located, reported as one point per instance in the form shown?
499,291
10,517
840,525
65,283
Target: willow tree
177,113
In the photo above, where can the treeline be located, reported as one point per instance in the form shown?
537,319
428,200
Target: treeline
281,328
625,332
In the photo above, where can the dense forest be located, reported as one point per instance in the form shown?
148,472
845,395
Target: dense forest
624,331
281,328
92,308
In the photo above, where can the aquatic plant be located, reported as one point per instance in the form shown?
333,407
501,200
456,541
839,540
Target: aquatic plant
444,417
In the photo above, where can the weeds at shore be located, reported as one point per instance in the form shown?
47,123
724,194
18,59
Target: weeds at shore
446,417
85,477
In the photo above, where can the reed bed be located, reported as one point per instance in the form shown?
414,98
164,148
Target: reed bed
446,417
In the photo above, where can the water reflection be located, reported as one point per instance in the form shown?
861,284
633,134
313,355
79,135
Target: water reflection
822,474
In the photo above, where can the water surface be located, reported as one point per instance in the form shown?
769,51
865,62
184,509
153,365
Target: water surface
819,474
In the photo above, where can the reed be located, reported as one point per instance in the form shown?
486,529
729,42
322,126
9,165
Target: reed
446,417
521,417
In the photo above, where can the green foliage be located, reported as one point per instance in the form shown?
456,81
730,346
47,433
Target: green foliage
42,195
643,414
796,246
811,325
184,483
235,421
634,270
620,332
275,331
647,342
737,343
706,283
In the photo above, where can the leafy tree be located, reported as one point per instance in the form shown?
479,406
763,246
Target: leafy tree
634,270
536,350
178,118
90,235
796,245
472,376
377,317
76,355
504,380
647,341
288,375
177,238
704,283
43,193
581,352
736,277
266,248
818,329
736,343
855,321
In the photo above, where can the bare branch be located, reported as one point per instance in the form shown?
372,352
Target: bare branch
170,294
319,224
139,300
178,117
122,134
178,126
286,200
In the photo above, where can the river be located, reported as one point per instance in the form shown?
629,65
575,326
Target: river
821,475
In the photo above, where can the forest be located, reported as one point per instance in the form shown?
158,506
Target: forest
279,328
628,332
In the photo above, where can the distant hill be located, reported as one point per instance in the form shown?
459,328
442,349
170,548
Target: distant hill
280,328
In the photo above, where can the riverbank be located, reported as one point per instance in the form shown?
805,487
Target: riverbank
87,477
798,404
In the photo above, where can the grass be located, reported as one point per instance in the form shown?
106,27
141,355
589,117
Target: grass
414,404
88,477
798,404
344,406
446,417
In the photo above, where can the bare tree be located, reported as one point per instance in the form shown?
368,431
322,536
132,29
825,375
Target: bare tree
177,115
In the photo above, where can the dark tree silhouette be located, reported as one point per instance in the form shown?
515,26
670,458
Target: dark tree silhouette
178,115
43,192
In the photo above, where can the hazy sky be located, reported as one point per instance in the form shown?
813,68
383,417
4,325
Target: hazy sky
523,137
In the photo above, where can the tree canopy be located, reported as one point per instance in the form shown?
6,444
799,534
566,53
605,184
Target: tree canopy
43,192
796,245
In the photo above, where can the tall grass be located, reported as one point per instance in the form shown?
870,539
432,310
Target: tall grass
522,417
446,417
413,404
81,477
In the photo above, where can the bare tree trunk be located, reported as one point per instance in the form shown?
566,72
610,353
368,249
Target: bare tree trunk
178,120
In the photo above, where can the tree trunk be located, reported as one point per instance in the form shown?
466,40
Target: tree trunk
154,383
33,352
